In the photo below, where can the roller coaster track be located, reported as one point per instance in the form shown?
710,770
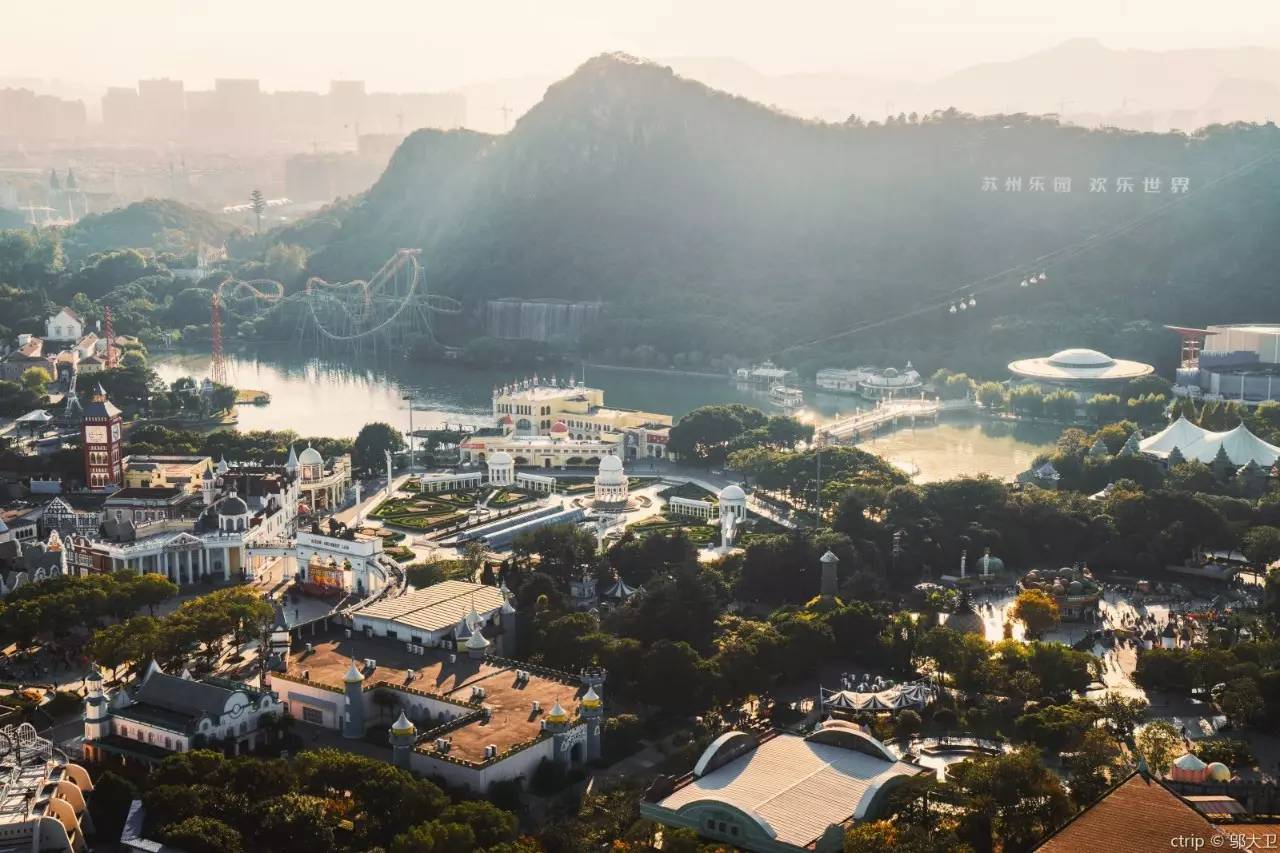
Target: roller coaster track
393,300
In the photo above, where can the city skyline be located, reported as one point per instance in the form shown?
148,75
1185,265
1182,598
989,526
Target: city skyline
301,46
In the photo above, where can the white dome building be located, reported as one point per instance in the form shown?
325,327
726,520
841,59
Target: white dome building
733,501
1084,371
502,469
311,464
611,483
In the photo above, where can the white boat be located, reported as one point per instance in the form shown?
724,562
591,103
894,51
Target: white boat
786,396
764,373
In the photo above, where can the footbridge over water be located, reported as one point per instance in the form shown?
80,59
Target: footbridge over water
888,413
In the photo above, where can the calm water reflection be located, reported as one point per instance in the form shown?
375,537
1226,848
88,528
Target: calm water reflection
956,447
322,397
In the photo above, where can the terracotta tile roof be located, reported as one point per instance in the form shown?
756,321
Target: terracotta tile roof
1136,816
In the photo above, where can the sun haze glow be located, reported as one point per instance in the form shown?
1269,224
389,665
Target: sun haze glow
408,44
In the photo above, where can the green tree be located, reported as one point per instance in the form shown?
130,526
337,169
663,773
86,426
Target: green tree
991,395
1121,714
1060,406
1159,743
1241,700
1026,400
1104,408
203,835
152,589
1262,545
1036,610
371,444
1010,797
35,381
490,824
436,837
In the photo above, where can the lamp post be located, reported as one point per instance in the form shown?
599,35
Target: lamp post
409,398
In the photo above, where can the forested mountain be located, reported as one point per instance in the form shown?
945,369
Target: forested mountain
709,224
161,224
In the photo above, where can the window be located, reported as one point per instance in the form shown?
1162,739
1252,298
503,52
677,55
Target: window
312,715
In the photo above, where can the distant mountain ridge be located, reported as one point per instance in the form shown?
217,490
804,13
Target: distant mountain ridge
710,223
1090,83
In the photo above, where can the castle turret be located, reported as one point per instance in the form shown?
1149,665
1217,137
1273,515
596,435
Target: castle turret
279,641
477,645
97,709
403,736
353,716
829,582
592,711
507,619
208,487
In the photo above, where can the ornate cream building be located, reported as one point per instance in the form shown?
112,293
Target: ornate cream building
574,412
321,485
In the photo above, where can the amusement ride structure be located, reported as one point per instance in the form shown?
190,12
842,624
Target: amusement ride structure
391,311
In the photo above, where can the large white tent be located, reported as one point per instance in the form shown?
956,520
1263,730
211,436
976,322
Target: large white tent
1194,442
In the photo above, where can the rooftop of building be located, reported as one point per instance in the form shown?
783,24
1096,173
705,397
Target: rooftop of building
512,720
547,392
441,605
1138,814
147,493
1079,364
794,787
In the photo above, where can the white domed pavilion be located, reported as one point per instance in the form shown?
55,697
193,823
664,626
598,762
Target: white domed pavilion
733,500
502,468
611,483
1078,369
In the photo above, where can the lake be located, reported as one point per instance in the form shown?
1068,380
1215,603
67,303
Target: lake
335,398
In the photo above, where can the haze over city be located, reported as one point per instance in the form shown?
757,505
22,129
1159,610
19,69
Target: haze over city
402,45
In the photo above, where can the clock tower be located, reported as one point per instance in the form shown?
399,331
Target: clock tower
101,434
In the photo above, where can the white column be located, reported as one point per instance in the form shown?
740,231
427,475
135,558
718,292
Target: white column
226,564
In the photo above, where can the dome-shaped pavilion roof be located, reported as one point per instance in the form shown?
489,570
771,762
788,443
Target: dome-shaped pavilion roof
1080,357
1219,772
610,463
590,699
505,419
310,456
1191,762
558,714
559,427
501,457
403,726
732,492
1079,364
353,675
233,506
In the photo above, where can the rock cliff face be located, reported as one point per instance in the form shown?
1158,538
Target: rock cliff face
701,217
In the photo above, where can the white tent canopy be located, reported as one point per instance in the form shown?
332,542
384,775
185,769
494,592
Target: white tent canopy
886,699
1193,442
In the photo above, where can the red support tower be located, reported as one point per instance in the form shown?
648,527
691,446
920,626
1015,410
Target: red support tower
218,367
109,332
1192,344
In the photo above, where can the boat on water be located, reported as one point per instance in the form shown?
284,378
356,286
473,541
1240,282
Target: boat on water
786,396
764,373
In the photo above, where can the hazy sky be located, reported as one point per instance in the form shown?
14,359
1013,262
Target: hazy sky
426,44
